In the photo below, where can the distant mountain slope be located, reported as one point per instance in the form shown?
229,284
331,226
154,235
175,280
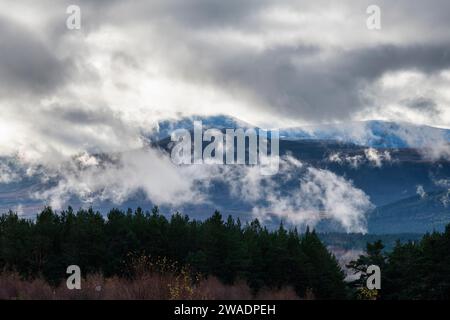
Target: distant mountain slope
219,122
375,133
389,176
390,180
414,214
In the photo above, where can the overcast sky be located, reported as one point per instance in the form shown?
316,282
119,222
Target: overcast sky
278,63
67,94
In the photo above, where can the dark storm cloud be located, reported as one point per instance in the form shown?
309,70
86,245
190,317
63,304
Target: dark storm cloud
27,65
82,115
191,13
197,14
288,79
372,62
207,13
423,104
306,78
292,82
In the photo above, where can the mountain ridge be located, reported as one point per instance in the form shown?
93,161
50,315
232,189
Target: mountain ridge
371,133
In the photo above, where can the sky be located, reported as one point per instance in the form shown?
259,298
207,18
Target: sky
270,63
279,63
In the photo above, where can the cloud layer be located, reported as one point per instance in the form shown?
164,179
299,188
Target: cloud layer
267,62
66,94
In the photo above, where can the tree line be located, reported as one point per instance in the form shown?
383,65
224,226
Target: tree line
416,270
224,248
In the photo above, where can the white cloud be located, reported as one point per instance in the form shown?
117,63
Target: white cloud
299,194
318,194
410,96
371,156
7,173
421,192
322,195
121,177
376,157
445,199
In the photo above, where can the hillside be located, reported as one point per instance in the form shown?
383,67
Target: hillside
390,177
414,214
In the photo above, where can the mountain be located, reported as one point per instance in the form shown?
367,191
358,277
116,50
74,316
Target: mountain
390,176
166,127
417,214
391,182
376,134
387,176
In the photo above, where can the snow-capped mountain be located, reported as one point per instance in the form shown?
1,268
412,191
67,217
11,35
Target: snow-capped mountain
375,133
388,175
166,127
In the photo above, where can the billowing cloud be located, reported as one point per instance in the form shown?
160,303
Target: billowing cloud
27,65
116,179
314,194
299,194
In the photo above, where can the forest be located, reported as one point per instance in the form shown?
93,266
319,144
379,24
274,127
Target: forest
124,244
416,270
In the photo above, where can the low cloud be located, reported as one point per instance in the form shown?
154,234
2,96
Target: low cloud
120,177
444,183
376,158
298,194
421,192
371,156
313,195
8,173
